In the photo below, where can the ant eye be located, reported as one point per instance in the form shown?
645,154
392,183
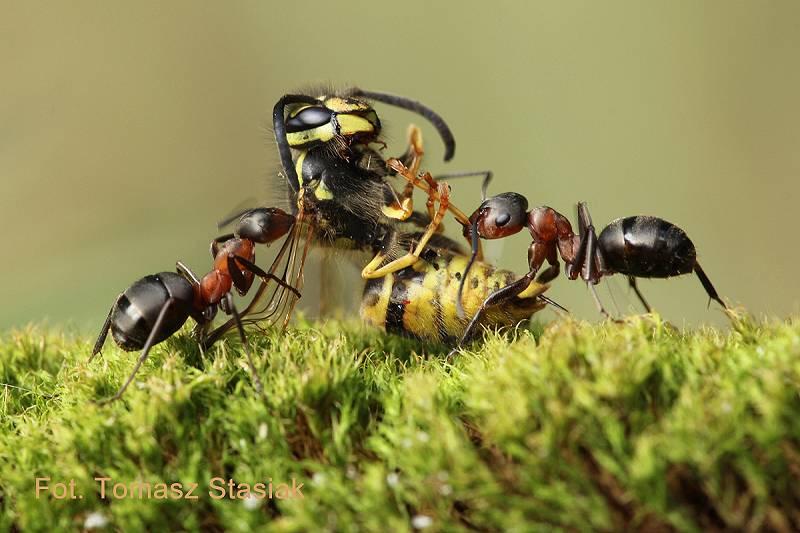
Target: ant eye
502,219
309,118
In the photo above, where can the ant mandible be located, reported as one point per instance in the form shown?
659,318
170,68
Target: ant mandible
637,247
156,306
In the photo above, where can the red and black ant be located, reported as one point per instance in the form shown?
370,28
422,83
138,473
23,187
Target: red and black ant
637,247
158,305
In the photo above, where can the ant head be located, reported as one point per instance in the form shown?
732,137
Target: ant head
264,225
499,216
309,124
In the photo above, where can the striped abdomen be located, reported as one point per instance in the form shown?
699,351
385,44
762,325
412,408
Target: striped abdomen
420,301
646,247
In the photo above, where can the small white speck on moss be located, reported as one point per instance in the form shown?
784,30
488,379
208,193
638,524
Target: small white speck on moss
263,431
95,520
318,478
421,521
392,479
422,436
251,503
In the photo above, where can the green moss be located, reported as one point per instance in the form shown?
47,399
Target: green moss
582,427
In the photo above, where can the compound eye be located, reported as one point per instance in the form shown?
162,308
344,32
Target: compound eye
309,118
502,219
502,215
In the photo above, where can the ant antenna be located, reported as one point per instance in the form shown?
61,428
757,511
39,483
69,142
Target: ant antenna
473,231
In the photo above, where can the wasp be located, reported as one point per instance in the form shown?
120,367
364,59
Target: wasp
340,182
154,307
340,192
635,246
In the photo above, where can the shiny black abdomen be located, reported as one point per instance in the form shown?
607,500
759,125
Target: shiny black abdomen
646,247
137,310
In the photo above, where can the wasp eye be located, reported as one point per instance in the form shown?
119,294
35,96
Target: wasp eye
309,118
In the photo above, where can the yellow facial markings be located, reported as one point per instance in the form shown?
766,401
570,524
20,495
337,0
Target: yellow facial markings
344,105
322,192
298,166
352,124
320,134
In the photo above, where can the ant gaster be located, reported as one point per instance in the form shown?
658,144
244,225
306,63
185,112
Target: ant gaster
156,306
637,247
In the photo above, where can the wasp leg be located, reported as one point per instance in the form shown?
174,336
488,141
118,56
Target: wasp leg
403,206
372,270
429,185
145,350
101,339
635,287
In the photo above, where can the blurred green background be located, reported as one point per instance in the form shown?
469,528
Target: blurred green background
128,130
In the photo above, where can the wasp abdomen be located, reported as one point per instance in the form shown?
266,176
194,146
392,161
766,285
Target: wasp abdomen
646,247
420,301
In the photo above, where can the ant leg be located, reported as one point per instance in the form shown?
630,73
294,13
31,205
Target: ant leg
219,240
635,287
537,253
372,271
497,297
597,299
549,274
252,267
245,344
186,272
240,281
101,339
145,350
710,290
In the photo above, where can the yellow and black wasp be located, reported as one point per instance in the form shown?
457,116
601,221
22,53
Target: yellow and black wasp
340,190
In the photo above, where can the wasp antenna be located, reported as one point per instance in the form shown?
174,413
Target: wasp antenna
421,109
473,231
279,127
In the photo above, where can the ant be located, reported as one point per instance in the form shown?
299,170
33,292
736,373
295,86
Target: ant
156,306
637,247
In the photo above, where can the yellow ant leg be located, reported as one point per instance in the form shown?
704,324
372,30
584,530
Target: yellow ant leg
372,269
429,185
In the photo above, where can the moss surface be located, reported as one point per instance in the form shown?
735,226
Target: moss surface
573,426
